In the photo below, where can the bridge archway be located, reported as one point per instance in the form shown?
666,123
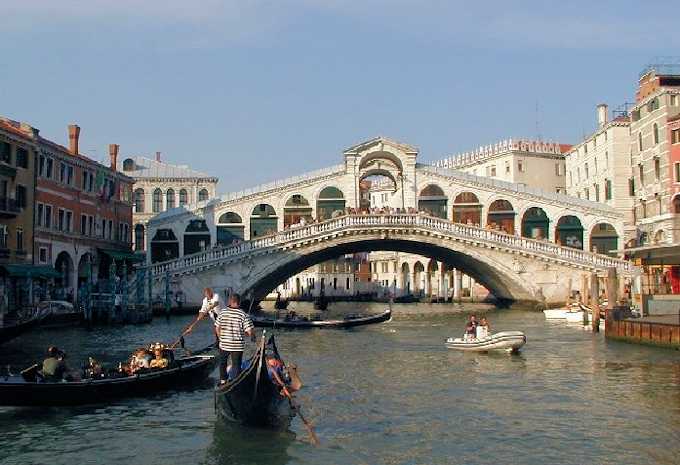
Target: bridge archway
418,278
405,278
569,232
535,224
433,201
501,216
330,200
230,228
467,209
164,246
196,237
295,210
604,239
263,221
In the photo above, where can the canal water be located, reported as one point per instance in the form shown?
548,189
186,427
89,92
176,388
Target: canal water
384,394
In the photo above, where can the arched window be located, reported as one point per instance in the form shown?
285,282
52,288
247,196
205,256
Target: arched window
655,129
170,199
203,195
128,164
640,141
157,205
139,201
183,197
230,217
139,237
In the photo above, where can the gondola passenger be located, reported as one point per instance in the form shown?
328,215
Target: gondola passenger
159,361
483,328
54,367
471,329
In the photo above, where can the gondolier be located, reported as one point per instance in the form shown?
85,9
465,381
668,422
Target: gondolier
231,327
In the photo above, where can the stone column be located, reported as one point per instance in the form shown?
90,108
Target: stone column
442,282
457,284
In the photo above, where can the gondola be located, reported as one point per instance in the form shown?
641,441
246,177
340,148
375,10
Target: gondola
347,322
280,304
14,327
253,398
28,390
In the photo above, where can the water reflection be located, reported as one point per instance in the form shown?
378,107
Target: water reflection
235,445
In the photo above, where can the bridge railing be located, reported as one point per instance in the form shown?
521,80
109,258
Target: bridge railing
437,225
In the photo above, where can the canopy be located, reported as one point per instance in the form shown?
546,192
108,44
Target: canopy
123,255
654,254
30,271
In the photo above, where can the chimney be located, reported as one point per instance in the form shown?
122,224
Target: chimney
158,157
113,154
602,114
73,136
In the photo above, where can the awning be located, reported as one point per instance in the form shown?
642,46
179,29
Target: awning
654,254
123,255
30,271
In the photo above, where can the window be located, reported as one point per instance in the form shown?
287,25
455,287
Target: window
21,194
128,164
110,229
596,189
20,238
657,169
203,195
586,193
42,255
558,171
595,161
675,136
578,175
586,170
606,160
607,189
676,166
493,171
103,228
631,187
643,206
62,172
640,141
170,199
183,197
139,237
507,167
6,152
157,204
655,131
49,167
559,190
139,201
90,225
22,157
520,166
83,225
653,105
39,213
48,216
69,221
585,148
642,174
41,165
3,236
674,100
61,222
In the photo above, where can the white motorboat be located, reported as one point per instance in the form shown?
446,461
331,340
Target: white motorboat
577,317
510,341
561,313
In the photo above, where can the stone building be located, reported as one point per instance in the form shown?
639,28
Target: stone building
655,180
598,168
160,186
529,162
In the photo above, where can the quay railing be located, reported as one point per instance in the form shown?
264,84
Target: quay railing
392,221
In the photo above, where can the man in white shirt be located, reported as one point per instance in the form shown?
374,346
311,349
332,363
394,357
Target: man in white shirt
211,303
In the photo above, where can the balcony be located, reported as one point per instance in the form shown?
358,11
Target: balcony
8,207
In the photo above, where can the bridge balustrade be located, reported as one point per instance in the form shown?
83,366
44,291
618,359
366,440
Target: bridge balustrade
391,220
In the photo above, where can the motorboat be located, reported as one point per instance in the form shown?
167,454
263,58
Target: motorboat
509,341
561,313
54,313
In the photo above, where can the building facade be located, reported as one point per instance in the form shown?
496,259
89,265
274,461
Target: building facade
161,186
598,169
83,213
655,180
529,162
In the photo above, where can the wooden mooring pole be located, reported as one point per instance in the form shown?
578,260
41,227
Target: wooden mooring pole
595,301
612,291
583,298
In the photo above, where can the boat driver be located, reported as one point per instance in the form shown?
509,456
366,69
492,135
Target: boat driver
471,328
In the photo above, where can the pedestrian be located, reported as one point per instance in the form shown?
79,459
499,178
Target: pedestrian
231,328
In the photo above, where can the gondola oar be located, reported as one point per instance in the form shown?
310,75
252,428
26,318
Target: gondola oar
188,329
308,425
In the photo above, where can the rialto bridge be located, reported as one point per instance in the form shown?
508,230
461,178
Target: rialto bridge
521,243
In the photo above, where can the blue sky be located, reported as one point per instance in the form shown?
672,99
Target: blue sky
253,91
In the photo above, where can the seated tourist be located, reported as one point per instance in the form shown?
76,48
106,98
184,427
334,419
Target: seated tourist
471,329
140,359
483,328
93,368
159,360
54,367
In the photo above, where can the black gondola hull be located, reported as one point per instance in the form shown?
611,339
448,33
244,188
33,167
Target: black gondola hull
15,391
346,323
251,401
12,330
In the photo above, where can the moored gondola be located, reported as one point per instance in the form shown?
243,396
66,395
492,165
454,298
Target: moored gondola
348,322
28,390
14,327
253,398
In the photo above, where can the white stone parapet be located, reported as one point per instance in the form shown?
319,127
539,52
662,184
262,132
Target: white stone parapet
395,222
485,152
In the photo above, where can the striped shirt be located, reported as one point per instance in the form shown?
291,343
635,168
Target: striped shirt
232,324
